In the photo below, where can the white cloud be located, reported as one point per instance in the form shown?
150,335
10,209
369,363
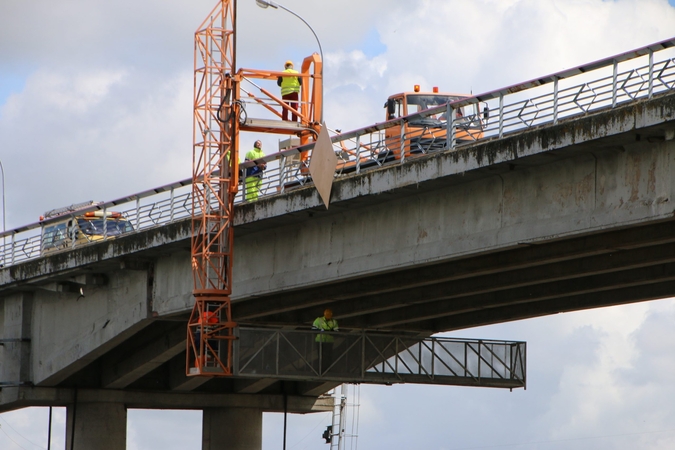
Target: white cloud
106,111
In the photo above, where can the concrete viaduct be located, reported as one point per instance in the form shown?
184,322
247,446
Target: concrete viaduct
557,218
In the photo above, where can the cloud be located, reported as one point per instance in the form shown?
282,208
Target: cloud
100,106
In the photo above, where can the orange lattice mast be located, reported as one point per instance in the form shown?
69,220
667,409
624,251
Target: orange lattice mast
216,134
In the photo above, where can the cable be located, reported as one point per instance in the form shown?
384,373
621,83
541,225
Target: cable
10,438
308,434
243,115
22,436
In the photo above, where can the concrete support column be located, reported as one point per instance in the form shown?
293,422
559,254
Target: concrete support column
100,426
232,429
15,367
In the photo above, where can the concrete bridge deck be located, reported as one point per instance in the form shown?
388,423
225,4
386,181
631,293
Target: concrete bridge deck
559,218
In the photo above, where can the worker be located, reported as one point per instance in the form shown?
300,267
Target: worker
254,173
290,87
208,320
322,325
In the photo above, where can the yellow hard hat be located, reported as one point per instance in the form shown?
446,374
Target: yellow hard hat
288,63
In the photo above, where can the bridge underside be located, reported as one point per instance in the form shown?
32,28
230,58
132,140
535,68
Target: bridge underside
563,218
607,268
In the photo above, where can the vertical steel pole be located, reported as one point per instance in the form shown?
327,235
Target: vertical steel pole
402,141
651,73
501,115
282,173
615,74
105,223
138,212
171,207
453,128
358,153
555,100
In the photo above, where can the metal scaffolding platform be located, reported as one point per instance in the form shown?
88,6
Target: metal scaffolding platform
366,357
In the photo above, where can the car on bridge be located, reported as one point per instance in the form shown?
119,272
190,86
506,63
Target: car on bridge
79,229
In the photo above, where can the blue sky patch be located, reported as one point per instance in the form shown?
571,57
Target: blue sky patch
373,46
10,84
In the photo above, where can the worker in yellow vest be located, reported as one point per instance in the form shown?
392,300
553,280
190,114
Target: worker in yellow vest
323,324
254,174
290,88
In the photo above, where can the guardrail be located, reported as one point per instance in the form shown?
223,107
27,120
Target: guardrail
366,357
546,100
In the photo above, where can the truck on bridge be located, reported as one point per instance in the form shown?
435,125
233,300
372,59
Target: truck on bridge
425,134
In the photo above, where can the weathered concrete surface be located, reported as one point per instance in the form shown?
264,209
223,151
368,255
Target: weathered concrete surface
565,217
100,426
72,331
232,429
41,396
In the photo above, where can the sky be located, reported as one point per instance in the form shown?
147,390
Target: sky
96,104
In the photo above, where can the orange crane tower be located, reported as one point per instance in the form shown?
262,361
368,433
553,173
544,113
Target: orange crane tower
218,119
214,185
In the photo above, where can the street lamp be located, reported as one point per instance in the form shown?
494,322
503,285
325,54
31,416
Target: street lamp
267,3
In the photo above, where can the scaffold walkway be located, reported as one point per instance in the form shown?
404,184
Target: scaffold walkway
366,357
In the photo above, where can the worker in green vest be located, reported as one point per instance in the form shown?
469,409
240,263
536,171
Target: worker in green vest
324,324
254,174
290,88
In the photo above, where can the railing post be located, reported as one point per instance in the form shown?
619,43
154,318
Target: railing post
466,358
651,73
138,212
358,154
105,222
363,354
282,173
402,141
480,360
171,206
42,243
555,100
433,357
501,115
615,75
396,356
448,126
453,128
13,251
276,354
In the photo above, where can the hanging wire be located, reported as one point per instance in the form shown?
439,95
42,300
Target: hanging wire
22,436
321,421
10,438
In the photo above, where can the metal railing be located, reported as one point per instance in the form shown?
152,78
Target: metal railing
366,357
547,100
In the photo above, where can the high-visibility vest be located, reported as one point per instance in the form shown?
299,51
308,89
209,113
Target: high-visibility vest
325,325
290,84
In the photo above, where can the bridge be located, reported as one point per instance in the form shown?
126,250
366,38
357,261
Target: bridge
563,204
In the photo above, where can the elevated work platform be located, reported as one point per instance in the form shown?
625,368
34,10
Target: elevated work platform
377,358
272,126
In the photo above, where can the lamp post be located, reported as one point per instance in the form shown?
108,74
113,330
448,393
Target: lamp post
267,3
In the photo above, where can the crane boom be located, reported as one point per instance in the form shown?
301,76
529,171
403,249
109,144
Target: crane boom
219,116
215,160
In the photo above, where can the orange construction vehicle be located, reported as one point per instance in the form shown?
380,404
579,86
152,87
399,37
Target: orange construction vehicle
428,133
417,135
